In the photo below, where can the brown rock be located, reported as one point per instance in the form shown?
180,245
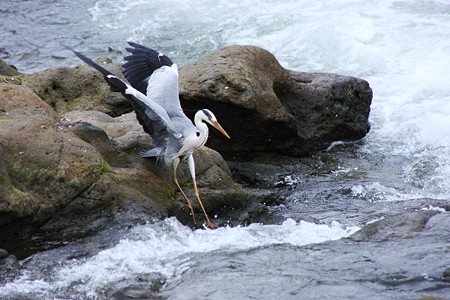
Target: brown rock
267,108
80,88
43,165
7,70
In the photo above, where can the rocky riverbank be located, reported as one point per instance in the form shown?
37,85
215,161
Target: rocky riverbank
69,164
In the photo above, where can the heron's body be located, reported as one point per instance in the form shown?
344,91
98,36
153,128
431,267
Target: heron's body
153,92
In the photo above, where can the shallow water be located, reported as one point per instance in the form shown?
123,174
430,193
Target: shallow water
400,47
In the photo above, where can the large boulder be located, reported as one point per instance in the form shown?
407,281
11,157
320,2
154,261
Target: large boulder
265,107
43,165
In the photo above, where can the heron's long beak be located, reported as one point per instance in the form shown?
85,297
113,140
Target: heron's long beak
218,127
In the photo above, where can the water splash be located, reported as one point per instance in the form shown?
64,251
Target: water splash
165,248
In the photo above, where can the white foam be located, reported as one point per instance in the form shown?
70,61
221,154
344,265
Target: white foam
166,248
375,192
430,207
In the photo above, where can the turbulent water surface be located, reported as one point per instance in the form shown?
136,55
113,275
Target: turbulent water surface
400,47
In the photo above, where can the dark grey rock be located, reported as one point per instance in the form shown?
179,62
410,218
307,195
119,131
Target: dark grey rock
403,225
3,253
7,70
265,107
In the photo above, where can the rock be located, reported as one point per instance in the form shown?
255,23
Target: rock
446,275
265,107
7,70
9,268
401,267
146,286
124,131
43,165
51,176
400,226
3,253
68,149
80,88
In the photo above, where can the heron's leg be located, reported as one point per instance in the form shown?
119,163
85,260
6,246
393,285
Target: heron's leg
191,164
186,199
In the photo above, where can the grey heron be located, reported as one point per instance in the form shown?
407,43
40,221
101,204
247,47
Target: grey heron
153,93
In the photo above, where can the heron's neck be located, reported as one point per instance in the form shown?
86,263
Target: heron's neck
202,128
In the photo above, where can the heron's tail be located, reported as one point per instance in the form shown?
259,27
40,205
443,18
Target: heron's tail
155,152
116,84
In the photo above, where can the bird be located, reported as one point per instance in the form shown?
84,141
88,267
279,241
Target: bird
152,90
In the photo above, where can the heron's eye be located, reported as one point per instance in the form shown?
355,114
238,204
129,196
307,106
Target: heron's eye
198,133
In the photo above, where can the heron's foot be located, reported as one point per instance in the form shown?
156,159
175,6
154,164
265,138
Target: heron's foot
211,225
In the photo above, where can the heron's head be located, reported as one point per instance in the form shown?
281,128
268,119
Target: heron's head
208,116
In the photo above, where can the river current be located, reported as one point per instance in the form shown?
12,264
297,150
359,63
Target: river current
401,47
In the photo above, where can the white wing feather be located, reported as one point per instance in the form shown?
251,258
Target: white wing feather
163,89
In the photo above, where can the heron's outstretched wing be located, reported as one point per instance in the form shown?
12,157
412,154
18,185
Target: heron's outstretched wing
153,117
155,75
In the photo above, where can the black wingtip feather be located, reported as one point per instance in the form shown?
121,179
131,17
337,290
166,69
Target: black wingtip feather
141,64
88,61
115,83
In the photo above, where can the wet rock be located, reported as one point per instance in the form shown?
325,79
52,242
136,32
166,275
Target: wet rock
7,70
268,108
9,267
403,225
43,165
3,253
145,287
80,88
446,274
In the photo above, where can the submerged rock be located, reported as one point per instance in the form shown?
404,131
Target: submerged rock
396,227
